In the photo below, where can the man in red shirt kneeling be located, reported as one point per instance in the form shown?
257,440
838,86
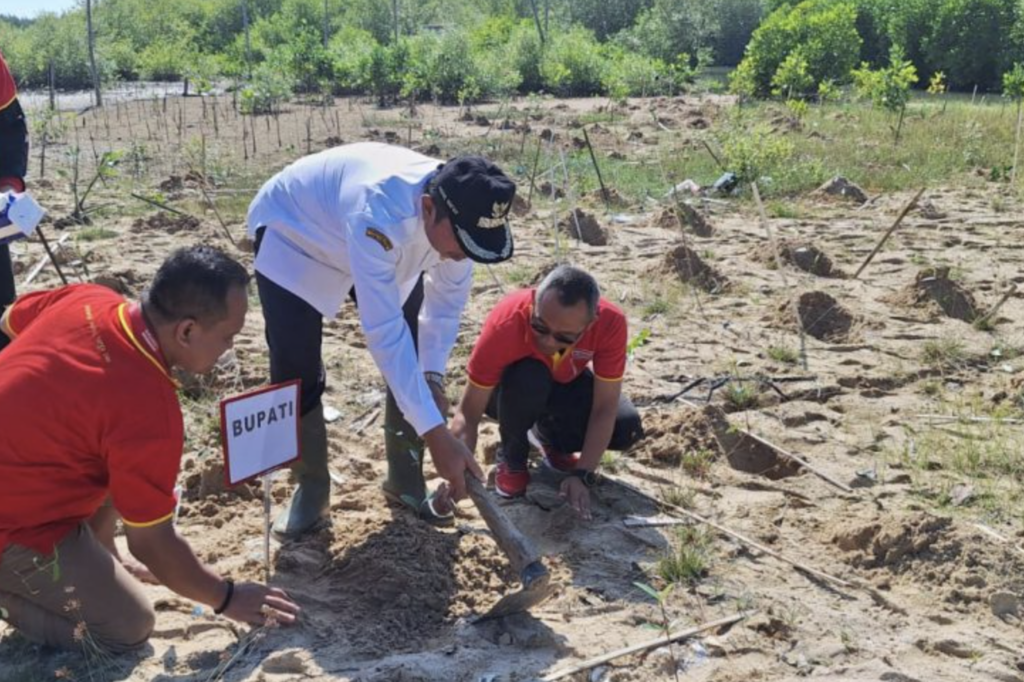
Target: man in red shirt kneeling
548,366
93,430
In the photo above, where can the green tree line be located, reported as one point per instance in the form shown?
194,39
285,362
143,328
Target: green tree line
467,50
450,50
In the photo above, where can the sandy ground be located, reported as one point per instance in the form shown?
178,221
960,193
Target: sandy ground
388,598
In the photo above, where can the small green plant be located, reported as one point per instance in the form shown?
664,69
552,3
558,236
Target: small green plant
741,394
661,597
611,462
678,496
937,83
637,341
658,306
697,463
1013,88
687,562
787,355
945,353
92,234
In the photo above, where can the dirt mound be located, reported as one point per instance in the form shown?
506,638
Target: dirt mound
520,206
843,188
934,290
543,270
546,189
583,225
398,581
821,316
123,282
688,266
964,567
804,256
165,222
611,195
668,435
690,217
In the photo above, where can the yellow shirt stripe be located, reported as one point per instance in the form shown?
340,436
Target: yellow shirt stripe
147,524
131,336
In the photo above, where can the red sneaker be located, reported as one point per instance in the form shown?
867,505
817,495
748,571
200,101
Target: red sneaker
553,459
508,483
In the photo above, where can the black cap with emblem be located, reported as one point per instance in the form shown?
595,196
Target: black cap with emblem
478,195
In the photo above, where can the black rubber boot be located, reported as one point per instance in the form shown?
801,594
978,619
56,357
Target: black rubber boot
308,505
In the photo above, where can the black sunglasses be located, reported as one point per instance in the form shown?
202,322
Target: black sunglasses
537,325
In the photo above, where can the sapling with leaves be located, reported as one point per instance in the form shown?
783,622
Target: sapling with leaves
888,87
661,596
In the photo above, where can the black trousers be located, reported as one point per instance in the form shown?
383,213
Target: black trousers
529,395
13,162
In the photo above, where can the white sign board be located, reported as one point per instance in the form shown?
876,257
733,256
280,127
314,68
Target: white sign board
22,215
260,431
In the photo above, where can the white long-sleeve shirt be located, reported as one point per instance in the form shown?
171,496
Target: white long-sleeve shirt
351,215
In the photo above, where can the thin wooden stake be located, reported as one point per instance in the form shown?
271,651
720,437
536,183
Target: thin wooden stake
51,254
597,169
533,175
981,321
209,200
646,646
159,205
888,233
782,272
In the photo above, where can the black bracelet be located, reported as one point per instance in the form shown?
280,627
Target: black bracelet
227,597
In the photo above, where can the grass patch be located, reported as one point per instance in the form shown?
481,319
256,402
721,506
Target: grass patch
678,496
784,354
688,560
92,234
697,463
611,462
658,306
944,354
741,394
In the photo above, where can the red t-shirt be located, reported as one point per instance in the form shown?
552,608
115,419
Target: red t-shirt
86,411
507,338
7,89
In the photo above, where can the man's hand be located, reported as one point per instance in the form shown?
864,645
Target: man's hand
578,496
464,431
257,604
452,459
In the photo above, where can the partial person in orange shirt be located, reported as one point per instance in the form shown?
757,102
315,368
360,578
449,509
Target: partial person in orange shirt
548,366
93,431
13,167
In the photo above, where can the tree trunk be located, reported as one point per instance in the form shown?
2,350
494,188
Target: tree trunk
325,24
1016,144
92,53
536,19
394,13
53,98
245,26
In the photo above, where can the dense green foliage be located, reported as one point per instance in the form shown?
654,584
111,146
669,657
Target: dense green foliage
468,50
972,42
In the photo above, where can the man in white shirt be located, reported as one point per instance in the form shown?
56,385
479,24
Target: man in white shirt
393,229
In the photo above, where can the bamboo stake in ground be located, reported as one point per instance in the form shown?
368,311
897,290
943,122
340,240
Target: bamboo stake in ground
984,319
646,646
803,568
888,233
51,254
209,200
782,272
597,169
159,205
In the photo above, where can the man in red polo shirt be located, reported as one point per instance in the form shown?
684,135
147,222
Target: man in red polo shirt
548,366
91,414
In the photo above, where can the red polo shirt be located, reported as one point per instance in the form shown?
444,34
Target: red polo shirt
7,89
507,338
88,410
